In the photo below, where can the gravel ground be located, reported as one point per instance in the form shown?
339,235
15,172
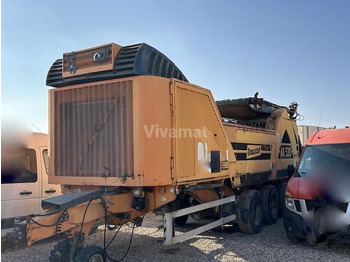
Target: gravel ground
215,245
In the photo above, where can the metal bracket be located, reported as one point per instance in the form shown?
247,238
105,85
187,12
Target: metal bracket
170,239
66,201
200,187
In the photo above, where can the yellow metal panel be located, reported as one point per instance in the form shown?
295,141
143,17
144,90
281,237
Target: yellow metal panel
94,130
152,130
113,133
260,162
199,131
287,147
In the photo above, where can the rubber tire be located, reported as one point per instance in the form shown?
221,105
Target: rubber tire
185,202
60,252
86,253
281,190
294,239
249,212
270,204
319,231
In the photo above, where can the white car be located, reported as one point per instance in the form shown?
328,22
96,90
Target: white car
24,179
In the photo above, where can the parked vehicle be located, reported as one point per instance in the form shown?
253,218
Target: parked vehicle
318,195
24,178
130,135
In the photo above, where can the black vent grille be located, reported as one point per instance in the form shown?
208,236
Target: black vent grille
139,59
125,60
297,205
55,72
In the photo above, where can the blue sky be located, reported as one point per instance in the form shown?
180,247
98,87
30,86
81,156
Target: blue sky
287,50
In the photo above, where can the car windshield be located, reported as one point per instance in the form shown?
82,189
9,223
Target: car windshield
325,160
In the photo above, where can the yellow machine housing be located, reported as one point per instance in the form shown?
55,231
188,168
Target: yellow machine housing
126,120
153,131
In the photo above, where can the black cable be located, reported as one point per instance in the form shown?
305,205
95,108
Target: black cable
116,233
129,225
134,222
82,222
103,203
54,224
37,223
45,214
58,219
127,251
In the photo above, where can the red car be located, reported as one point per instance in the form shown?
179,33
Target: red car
318,194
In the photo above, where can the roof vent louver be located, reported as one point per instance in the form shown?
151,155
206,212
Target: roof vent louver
132,60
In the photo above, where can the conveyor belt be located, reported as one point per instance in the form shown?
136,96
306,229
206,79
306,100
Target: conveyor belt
246,108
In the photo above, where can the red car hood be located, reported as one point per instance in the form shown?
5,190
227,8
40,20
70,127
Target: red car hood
304,188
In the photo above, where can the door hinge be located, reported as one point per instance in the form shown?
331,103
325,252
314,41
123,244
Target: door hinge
171,98
172,167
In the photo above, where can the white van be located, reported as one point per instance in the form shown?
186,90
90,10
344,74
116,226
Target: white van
24,179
